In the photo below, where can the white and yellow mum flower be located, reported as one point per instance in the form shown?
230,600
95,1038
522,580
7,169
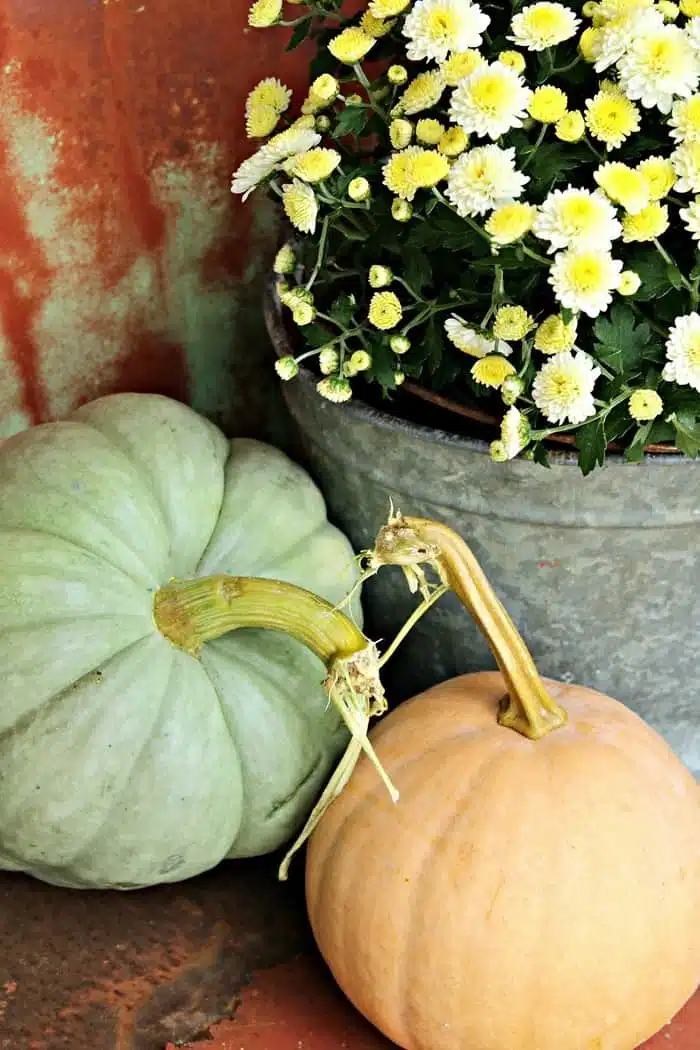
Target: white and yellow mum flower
376,27
264,161
492,370
692,31
424,92
515,432
400,132
574,218
683,352
554,335
611,117
264,106
385,311
645,225
543,25
686,164
511,322
623,185
285,260
414,169
658,66
685,119
336,389
434,28
264,13
563,388
429,131
314,165
459,65
548,104
471,342
571,127
483,179
453,142
388,8
300,206
351,45
691,218
583,279
645,405
490,102
659,176
608,42
630,283
510,222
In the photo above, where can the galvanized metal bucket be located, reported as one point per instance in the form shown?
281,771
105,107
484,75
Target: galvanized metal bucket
601,574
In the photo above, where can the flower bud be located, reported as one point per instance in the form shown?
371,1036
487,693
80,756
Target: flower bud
286,367
359,189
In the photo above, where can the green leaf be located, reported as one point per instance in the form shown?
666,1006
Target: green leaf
416,269
317,334
383,363
342,309
299,35
687,431
591,442
675,277
433,345
541,455
620,340
351,121
652,272
634,453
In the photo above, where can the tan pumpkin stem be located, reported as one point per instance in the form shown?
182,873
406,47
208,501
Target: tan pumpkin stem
191,612
413,542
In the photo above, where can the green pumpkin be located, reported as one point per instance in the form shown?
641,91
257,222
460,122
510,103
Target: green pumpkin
124,761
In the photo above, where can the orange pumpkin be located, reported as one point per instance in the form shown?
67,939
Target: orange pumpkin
537,886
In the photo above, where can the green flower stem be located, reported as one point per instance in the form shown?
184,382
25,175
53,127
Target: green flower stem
321,252
587,142
536,256
557,70
400,280
540,435
362,77
465,218
670,261
538,142
647,320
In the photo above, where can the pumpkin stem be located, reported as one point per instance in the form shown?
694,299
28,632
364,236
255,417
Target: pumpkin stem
412,542
191,612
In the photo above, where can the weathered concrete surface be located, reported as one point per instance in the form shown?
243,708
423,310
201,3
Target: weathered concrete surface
223,962
296,1006
135,971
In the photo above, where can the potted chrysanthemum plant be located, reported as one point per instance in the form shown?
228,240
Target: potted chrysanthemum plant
496,202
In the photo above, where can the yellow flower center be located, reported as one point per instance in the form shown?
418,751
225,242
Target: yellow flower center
442,25
578,214
585,274
662,56
693,350
491,93
565,387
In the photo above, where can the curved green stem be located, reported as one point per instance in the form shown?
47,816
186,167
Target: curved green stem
528,708
190,613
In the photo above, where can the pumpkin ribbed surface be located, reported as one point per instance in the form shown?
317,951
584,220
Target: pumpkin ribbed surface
124,761
522,895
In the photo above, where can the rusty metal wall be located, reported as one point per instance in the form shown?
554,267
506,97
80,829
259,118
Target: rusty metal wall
124,261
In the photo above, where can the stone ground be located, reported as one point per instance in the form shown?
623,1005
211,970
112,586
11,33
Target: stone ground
223,962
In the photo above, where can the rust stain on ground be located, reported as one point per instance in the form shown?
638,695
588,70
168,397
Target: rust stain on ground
134,971
296,1006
